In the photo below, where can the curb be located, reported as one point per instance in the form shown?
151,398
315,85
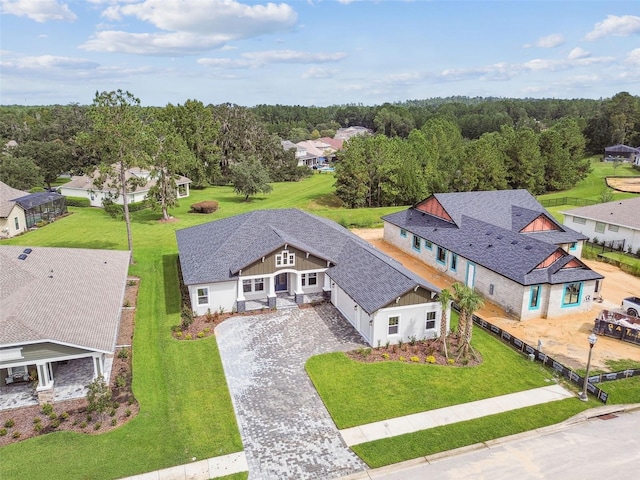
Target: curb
570,422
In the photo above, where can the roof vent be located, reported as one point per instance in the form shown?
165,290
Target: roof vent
489,232
27,251
499,237
528,247
489,246
514,242
22,256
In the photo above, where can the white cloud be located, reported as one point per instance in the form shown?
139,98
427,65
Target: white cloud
615,26
47,62
259,59
550,41
634,57
39,10
317,72
170,44
578,53
190,26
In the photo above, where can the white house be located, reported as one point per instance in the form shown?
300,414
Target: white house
20,211
250,260
83,186
57,305
617,222
502,243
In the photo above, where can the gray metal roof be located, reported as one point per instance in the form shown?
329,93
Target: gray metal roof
624,213
63,295
36,199
214,251
487,232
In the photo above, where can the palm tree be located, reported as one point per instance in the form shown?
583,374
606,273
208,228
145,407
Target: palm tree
468,301
445,297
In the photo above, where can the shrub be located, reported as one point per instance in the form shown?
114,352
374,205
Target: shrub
207,206
123,353
402,359
200,335
64,415
413,340
207,330
47,409
121,381
89,418
430,359
400,344
186,316
16,434
55,423
131,283
98,396
188,336
451,361
364,351
53,416
37,420
112,413
9,423
127,412
83,425
38,427
97,426
178,334
386,345
77,202
415,359
386,356
3,432
127,303
114,422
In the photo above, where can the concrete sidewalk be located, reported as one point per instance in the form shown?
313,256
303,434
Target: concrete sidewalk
199,470
456,413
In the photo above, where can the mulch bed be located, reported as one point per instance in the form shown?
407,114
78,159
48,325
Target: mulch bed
71,415
418,351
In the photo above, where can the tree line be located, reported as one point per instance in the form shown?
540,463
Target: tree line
380,170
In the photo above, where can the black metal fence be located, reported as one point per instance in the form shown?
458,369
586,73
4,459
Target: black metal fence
608,246
534,354
554,202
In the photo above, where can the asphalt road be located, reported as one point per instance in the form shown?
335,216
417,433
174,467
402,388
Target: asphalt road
596,449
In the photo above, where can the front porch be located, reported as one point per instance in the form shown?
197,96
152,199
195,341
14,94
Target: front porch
283,301
71,379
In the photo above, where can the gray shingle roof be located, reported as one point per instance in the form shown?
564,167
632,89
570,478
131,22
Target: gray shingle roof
212,252
624,213
7,198
487,232
65,295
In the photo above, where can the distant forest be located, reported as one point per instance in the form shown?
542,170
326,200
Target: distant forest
418,147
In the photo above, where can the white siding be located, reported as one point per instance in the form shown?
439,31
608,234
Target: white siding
629,235
221,296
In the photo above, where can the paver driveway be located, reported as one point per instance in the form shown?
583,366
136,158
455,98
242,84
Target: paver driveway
286,430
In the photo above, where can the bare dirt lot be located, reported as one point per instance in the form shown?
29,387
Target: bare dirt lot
565,338
625,184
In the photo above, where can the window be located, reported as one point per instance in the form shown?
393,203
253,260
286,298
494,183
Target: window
394,322
17,222
454,262
246,286
572,246
534,297
403,233
255,285
428,245
613,228
309,279
285,258
600,227
571,296
597,287
431,321
579,220
203,296
441,255
258,284
416,243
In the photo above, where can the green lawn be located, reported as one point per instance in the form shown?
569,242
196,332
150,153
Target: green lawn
356,393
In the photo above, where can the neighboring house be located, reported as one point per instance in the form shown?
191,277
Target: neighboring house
252,259
502,243
20,211
58,304
348,132
316,152
621,152
83,186
617,222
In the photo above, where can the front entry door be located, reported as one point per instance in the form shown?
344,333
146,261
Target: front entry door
281,282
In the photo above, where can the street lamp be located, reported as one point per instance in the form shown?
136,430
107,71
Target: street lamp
592,339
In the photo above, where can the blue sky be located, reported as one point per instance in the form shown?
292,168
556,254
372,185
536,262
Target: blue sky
315,52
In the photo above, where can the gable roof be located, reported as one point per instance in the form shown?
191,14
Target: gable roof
7,198
212,252
624,213
487,229
64,295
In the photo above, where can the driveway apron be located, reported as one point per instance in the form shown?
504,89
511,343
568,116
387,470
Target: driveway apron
286,429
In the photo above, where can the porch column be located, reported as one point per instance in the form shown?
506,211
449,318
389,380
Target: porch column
98,366
45,378
240,300
271,291
299,294
326,287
